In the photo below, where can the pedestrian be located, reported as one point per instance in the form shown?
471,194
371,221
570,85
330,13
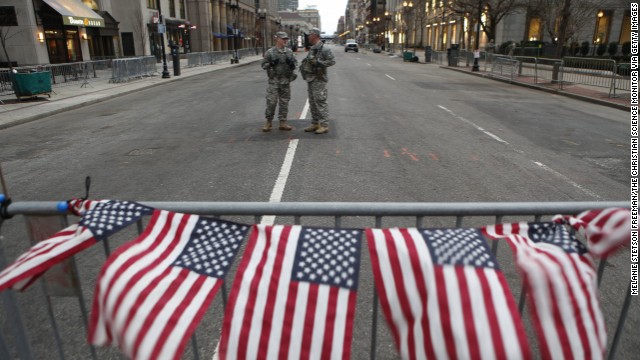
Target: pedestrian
512,49
314,72
490,47
280,64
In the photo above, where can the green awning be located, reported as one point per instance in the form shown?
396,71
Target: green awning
75,13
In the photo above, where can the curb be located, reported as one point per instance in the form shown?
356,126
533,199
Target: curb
105,97
542,88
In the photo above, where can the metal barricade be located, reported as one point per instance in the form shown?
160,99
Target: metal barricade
128,69
504,66
57,324
589,71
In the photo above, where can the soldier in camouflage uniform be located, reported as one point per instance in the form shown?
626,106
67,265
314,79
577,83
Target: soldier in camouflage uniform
280,64
314,71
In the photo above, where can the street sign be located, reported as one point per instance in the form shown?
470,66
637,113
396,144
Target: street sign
161,28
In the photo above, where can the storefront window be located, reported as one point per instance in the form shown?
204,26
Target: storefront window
625,32
152,4
603,24
534,29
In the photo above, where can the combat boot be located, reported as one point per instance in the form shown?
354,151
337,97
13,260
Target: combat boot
322,129
267,126
311,128
284,126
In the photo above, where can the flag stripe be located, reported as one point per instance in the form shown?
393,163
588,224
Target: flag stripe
327,342
309,320
238,299
288,322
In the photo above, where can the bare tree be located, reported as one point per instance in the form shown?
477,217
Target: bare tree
563,20
494,10
8,24
139,27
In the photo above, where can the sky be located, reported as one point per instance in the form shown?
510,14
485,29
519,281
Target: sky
330,12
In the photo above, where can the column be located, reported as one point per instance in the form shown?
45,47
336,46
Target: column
215,24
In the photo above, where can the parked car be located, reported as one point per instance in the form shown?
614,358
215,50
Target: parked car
377,50
351,47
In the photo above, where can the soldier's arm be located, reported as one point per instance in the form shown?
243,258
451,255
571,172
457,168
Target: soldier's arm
327,59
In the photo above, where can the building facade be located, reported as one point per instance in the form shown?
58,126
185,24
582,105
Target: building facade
64,31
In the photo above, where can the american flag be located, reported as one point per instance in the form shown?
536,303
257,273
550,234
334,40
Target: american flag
444,295
561,284
294,296
102,220
606,230
152,292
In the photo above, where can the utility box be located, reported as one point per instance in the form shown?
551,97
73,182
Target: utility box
32,84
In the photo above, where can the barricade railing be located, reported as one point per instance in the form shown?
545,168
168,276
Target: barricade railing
588,71
505,67
57,327
128,69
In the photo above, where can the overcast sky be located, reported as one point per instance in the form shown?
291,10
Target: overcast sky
330,12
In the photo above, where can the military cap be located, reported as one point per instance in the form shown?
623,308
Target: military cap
282,35
314,31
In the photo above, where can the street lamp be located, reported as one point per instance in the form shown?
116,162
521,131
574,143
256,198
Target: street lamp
476,66
406,7
161,31
262,14
387,19
234,5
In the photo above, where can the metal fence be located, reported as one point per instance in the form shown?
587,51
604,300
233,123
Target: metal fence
43,326
123,70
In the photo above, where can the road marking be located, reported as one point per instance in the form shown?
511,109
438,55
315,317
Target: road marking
563,177
285,170
539,164
389,77
493,136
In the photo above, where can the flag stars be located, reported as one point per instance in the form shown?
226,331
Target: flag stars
208,250
458,247
327,256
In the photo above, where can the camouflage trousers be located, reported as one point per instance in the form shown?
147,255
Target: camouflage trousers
318,102
278,94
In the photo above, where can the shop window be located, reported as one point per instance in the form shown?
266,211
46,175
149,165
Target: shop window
73,46
8,16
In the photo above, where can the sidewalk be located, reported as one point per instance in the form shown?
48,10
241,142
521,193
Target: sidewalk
592,94
73,96
13,112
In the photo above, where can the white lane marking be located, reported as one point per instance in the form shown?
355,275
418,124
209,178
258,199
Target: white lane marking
281,181
493,136
539,164
389,77
563,177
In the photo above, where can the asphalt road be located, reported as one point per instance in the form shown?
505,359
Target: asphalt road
399,132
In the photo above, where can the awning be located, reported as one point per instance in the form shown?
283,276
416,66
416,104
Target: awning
75,13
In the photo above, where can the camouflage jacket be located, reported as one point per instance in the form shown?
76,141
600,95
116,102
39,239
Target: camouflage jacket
314,66
280,65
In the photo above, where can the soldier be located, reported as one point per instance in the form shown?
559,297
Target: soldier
280,64
314,71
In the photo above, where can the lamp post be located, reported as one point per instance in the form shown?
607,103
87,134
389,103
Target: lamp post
234,5
406,7
262,14
387,19
476,66
278,22
161,31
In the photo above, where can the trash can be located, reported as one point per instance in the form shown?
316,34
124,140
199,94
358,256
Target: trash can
408,56
427,53
452,54
32,84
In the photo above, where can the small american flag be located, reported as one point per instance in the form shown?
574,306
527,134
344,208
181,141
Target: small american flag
294,296
152,292
102,220
444,295
561,282
606,230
